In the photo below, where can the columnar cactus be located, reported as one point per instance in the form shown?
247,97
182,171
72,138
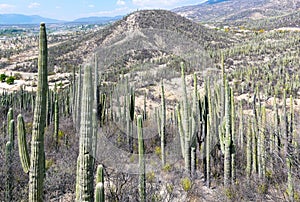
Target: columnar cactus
249,150
130,118
10,116
142,174
233,171
9,175
11,132
186,129
78,99
228,137
23,152
37,158
163,125
99,190
262,146
56,121
84,181
207,153
180,128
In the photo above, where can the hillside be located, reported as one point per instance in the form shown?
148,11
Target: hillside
159,34
238,10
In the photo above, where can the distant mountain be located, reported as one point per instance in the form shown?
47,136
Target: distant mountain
238,10
101,20
25,19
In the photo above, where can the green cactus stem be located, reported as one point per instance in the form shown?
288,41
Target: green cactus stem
84,182
163,125
37,158
9,174
23,152
99,192
142,175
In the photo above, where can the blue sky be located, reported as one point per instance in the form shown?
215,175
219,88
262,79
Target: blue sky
73,9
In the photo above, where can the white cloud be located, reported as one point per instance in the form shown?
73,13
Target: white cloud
155,3
6,6
91,6
121,3
34,5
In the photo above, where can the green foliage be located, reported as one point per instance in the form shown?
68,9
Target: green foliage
186,184
2,77
262,188
61,134
230,193
170,188
158,151
167,167
150,176
10,80
49,163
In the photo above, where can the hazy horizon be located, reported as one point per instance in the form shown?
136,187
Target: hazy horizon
69,10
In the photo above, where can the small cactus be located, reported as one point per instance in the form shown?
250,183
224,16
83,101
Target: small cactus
99,192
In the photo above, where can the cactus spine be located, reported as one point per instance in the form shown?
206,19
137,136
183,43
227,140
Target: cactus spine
37,159
23,151
84,181
142,175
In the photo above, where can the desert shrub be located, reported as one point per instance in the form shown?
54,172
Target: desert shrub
2,77
186,184
10,80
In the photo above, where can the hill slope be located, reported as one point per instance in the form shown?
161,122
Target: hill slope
156,35
238,10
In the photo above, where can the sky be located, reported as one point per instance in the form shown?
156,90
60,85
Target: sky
73,9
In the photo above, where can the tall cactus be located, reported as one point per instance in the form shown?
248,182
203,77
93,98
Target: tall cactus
163,125
9,175
84,181
37,158
23,152
249,150
228,137
142,175
187,145
56,121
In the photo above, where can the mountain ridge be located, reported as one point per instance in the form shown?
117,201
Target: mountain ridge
9,19
237,10
14,19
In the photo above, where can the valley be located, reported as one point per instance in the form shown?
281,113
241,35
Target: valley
214,88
